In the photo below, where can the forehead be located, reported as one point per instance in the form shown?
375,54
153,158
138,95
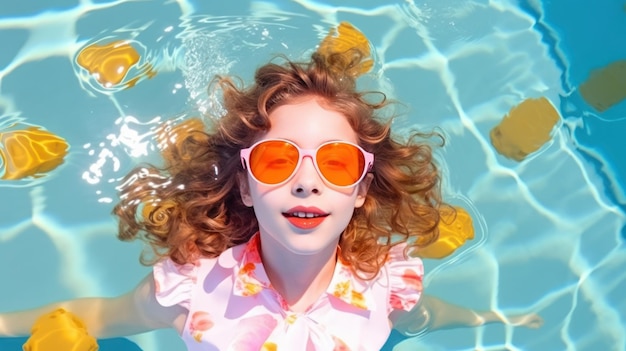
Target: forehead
309,123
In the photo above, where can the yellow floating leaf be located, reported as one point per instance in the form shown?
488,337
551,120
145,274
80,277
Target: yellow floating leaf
109,64
606,86
346,41
60,330
455,228
526,128
30,152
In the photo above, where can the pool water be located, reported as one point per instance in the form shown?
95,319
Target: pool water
550,226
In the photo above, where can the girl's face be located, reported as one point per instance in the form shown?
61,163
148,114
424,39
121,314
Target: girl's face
307,124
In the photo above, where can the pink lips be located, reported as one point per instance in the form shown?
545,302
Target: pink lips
305,217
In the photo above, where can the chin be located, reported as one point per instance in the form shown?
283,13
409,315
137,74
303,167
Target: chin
305,250
306,244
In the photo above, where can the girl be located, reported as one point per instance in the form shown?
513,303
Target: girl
289,226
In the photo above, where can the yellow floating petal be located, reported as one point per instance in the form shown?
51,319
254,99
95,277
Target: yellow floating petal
109,64
170,134
60,330
526,128
606,86
30,152
346,41
455,228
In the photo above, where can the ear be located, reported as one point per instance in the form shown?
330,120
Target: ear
244,189
362,189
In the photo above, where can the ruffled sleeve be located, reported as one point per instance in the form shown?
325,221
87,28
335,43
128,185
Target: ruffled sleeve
174,283
405,278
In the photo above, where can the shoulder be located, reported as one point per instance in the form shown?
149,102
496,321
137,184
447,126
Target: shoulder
399,259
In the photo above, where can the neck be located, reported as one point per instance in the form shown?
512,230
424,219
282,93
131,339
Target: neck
300,279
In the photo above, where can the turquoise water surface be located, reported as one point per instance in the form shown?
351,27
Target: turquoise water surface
550,229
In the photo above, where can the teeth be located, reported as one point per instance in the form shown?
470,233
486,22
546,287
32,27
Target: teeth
304,215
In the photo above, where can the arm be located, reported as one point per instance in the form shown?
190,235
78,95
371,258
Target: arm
433,313
132,313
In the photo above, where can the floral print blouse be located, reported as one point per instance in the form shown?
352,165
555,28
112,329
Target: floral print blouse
232,305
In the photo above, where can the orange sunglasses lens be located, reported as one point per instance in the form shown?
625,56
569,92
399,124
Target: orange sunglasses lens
340,163
272,162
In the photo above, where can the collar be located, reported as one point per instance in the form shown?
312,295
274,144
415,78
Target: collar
251,279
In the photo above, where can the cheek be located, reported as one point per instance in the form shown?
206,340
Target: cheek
346,203
350,196
261,194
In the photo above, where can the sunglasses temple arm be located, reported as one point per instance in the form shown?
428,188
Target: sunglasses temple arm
243,155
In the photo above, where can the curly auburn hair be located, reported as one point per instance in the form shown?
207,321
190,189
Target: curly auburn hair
192,208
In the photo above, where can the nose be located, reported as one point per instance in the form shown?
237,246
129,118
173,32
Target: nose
307,181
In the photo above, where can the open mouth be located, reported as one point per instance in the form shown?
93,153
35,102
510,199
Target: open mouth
305,219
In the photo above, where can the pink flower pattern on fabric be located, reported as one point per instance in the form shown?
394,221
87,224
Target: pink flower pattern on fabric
245,283
200,322
344,291
252,252
412,279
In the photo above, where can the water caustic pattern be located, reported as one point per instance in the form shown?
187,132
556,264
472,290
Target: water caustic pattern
534,229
